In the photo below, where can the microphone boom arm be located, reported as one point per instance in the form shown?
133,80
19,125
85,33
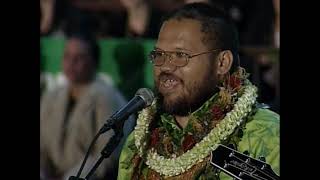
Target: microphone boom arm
106,151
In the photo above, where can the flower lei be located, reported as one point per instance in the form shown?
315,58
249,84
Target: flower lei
177,165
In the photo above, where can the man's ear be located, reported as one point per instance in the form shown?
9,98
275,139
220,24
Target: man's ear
225,59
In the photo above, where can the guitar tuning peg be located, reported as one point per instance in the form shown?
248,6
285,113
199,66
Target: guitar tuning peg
261,158
231,146
246,152
217,173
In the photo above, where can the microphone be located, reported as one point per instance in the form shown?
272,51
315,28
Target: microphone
143,98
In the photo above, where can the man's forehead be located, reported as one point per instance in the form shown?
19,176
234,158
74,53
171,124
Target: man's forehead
182,33
181,23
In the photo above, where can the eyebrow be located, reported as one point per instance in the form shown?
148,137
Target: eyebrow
184,49
181,49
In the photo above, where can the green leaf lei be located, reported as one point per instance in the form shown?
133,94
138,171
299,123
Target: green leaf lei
177,165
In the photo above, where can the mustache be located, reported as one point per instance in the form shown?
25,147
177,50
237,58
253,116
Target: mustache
166,75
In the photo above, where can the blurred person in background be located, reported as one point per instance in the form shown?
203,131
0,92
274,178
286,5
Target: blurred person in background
122,18
272,75
47,13
194,1
108,16
52,15
263,32
60,18
142,19
258,26
72,114
276,32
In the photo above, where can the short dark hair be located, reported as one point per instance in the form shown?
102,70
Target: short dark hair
220,31
91,43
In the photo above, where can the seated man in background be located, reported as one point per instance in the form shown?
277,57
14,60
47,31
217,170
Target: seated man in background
72,114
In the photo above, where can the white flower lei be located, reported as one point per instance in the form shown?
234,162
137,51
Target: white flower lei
177,165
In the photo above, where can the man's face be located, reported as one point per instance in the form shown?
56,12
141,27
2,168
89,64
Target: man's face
77,63
184,89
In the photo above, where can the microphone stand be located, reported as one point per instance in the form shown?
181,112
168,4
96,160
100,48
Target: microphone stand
106,151
143,98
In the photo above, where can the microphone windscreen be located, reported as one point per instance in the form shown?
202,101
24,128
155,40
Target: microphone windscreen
146,94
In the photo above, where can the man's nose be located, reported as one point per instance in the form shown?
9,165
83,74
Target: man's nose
167,66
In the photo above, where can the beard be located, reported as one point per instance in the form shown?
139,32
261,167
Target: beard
191,98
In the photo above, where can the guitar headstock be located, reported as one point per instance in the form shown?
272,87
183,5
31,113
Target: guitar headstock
241,166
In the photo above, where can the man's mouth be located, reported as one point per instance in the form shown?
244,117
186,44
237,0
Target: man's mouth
168,82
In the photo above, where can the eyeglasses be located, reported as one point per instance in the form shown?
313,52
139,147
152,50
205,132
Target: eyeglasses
176,58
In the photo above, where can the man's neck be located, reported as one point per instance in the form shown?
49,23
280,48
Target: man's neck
182,121
76,90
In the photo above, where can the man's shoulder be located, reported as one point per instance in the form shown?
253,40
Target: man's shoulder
263,125
52,94
264,119
261,137
100,87
104,89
